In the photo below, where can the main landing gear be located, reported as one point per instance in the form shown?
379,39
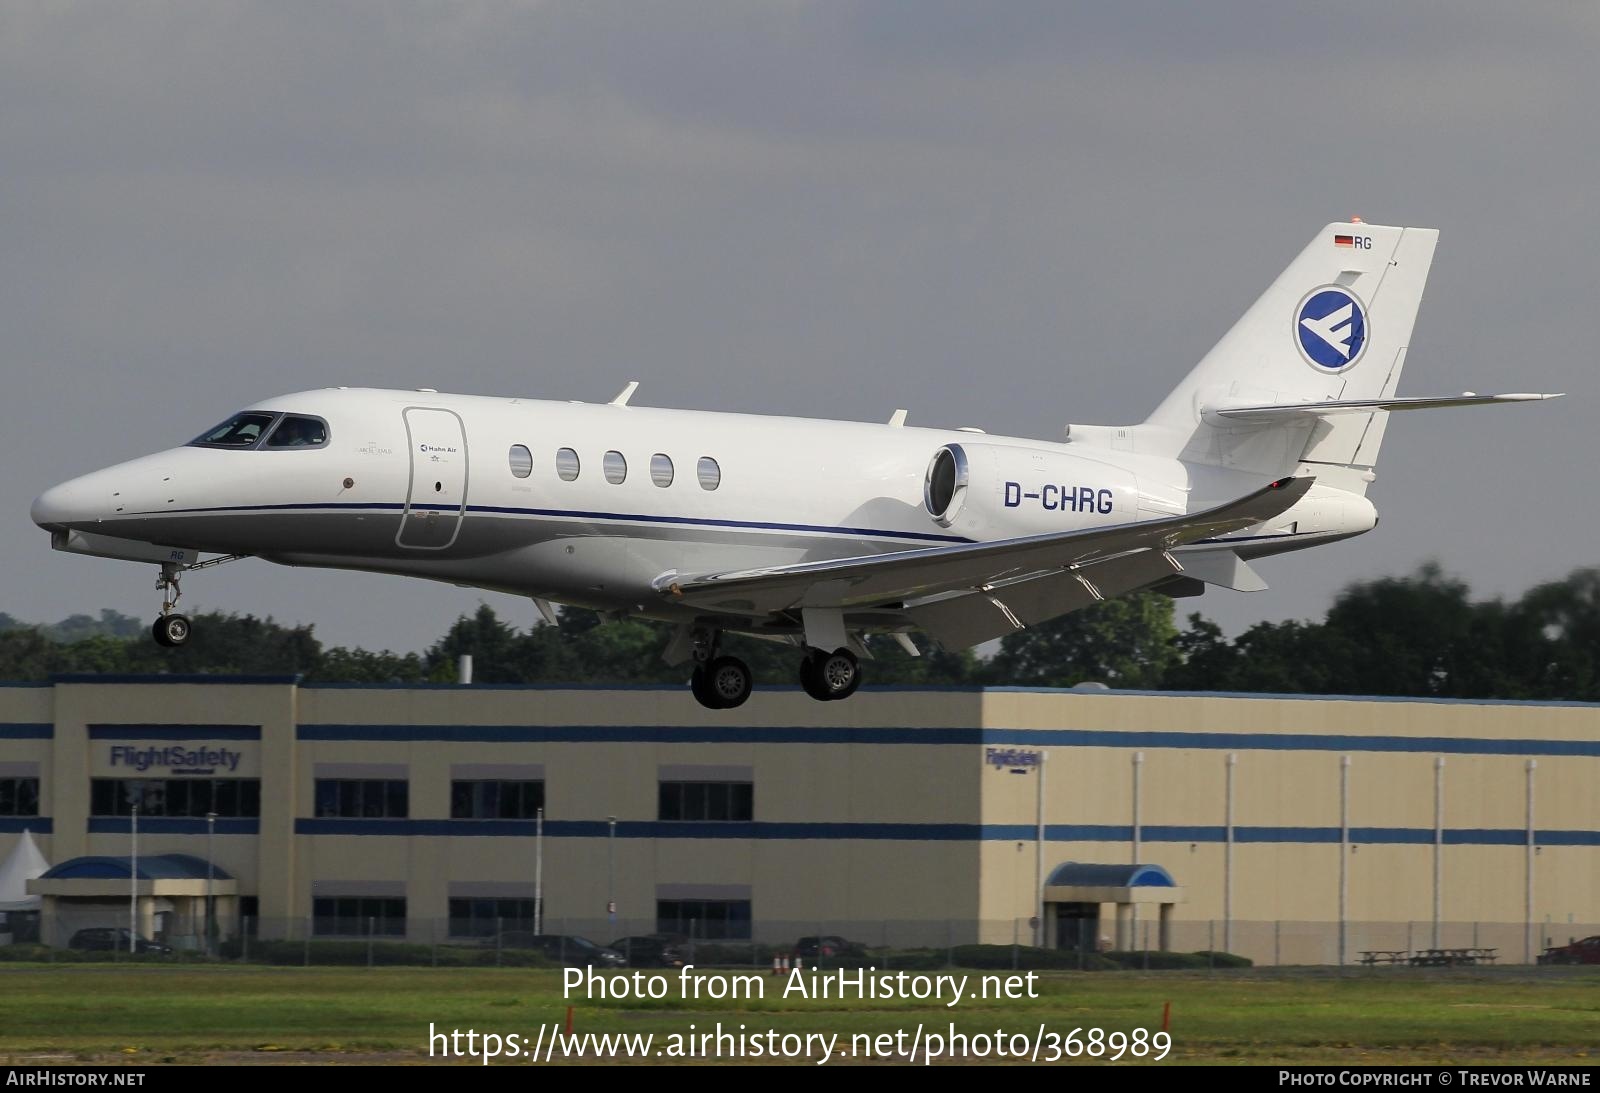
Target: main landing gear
719,682
828,677
723,682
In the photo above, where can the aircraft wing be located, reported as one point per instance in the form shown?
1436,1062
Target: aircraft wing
885,579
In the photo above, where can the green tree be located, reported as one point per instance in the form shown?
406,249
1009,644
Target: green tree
1129,641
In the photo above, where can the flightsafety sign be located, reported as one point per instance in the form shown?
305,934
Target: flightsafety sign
1014,760
176,759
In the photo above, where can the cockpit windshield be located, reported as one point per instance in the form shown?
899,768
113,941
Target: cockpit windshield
262,429
240,431
298,431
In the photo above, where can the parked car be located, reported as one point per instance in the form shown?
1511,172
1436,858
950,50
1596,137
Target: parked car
107,939
578,952
1583,951
652,950
827,945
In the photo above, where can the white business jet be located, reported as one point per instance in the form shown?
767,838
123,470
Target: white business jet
810,532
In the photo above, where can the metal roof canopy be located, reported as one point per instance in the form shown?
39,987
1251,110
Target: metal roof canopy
159,875
1079,882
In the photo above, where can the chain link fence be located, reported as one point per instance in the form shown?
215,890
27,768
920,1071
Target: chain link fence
618,942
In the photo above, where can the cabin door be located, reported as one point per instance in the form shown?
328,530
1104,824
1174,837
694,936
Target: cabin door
437,497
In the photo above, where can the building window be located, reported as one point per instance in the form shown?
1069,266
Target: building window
358,916
615,468
661,470
707,801
567,464
521,461
193,797
711,919
495,800
363,798
710,473
19,796
482,917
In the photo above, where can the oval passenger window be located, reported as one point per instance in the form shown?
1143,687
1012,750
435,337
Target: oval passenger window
567,465
661,470
521,461
615,467
709,472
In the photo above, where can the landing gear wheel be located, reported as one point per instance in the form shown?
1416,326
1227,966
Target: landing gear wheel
829,677
171,630
699,687
728,683
810,681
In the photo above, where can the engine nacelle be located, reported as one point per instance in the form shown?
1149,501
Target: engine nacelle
987,491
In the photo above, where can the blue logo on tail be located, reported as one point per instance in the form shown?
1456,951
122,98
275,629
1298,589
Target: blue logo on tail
1331,328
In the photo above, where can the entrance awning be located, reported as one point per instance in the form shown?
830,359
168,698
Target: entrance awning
1080,882
159,875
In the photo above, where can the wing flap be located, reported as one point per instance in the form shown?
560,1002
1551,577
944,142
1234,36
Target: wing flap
928,572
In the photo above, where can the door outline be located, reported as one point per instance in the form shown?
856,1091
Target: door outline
411,480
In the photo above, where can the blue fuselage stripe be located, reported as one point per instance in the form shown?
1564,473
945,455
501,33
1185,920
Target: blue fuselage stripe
576,514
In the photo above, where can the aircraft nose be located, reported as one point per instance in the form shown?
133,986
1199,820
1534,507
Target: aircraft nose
62,506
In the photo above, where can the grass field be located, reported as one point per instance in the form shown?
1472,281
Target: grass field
151,1014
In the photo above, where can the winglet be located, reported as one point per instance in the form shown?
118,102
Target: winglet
625,394
897,419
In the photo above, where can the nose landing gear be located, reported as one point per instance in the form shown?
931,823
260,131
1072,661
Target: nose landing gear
170,629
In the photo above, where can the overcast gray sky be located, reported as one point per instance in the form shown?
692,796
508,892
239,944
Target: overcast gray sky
1008,215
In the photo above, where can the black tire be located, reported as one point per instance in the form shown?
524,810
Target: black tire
838,674
810,681
700,687
728,681
173,630
170,631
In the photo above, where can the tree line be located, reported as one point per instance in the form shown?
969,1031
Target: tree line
1422,635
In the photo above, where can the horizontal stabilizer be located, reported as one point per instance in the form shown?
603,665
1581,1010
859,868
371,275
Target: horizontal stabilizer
1282,412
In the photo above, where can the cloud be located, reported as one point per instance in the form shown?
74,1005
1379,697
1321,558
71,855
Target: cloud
1007,216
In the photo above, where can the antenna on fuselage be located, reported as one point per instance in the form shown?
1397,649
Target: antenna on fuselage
625,394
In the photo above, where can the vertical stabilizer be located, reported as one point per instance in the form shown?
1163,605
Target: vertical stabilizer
1334,325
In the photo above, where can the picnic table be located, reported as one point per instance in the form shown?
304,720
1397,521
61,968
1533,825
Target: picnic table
1452,958
1385,956
1431,958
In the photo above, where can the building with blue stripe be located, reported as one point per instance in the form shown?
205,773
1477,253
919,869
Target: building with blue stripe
1302,829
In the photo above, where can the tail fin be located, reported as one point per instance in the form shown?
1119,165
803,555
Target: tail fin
1334,325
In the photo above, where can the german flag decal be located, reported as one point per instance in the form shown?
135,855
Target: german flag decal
1344,240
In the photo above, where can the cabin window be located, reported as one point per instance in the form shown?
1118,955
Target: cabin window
521,461
298,431
661,470
709,472
567,465
615,468
240,431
